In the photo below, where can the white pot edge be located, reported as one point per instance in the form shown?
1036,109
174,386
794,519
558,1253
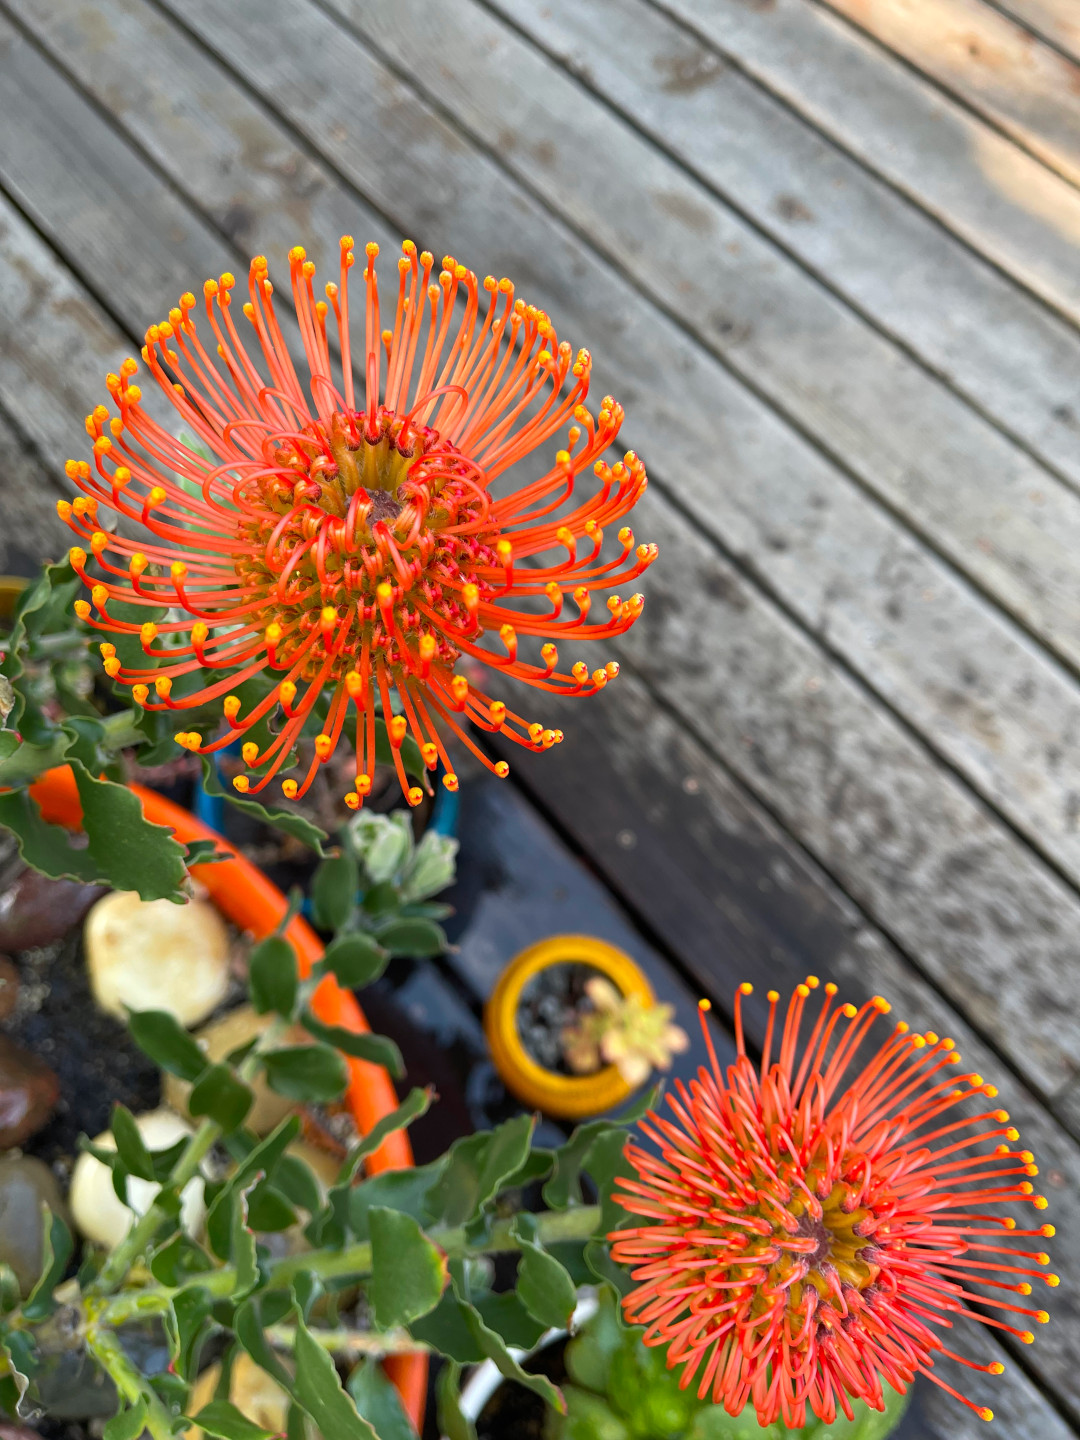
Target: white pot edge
486,1379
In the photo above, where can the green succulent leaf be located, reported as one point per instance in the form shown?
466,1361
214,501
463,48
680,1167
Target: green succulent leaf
504,1313
306,1072
408,1272
334,890
129,1143
274,976
162,1038
219,1094
354,960
416,938
359,1043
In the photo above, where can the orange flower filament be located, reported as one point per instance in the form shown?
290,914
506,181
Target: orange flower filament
356,551
810,1229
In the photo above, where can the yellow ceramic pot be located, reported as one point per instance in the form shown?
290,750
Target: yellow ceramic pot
569,1097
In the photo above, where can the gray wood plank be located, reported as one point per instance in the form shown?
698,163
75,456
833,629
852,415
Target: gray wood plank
1024,1401
977,183
1055,20
817,919
951,836
762,526
30,529
1022,86
700,863
998,346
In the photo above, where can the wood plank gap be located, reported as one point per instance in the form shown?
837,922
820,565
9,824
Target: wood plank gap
776,238
1011,260
1036,27
743,564
610,257
1037,877
984,114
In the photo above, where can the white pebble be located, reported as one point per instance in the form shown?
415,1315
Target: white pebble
154,955
96,1208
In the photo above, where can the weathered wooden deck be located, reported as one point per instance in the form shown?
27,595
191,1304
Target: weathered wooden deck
827,253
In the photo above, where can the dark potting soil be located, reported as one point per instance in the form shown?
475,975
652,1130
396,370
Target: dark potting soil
549,1002
93,1055
514,1413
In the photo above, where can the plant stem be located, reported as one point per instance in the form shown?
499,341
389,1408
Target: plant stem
354,1262
350,1342
116,1267
109,1353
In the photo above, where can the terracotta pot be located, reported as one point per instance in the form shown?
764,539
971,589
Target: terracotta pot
245,896
569,1097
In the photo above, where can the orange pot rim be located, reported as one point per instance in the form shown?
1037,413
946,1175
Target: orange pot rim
253,902
570,1097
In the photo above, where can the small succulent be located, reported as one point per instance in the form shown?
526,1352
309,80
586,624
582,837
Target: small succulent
624,1031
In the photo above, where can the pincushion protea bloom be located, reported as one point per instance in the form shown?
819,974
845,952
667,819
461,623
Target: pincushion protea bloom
810,1227
355,550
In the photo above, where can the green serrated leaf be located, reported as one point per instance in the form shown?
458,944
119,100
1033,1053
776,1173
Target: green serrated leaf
506,1315
297,1182
415,1104
360,1043
354,960
268,1210
453,1422
405,1190
274,976
177,1260
127,1424
544,1287
56,1245
203,852
129,1143
445,1330
219,1094
496,1350
418,939
134,853
223,1419
306,1072
477,1167
334,888
160,1036
46,848
378,1402
408,1272
243,1251
288,820
319,1390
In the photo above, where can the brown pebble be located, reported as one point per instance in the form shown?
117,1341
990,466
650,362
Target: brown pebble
9,992
35,910
29,1091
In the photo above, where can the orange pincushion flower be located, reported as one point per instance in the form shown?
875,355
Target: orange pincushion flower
804,1240
356,551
